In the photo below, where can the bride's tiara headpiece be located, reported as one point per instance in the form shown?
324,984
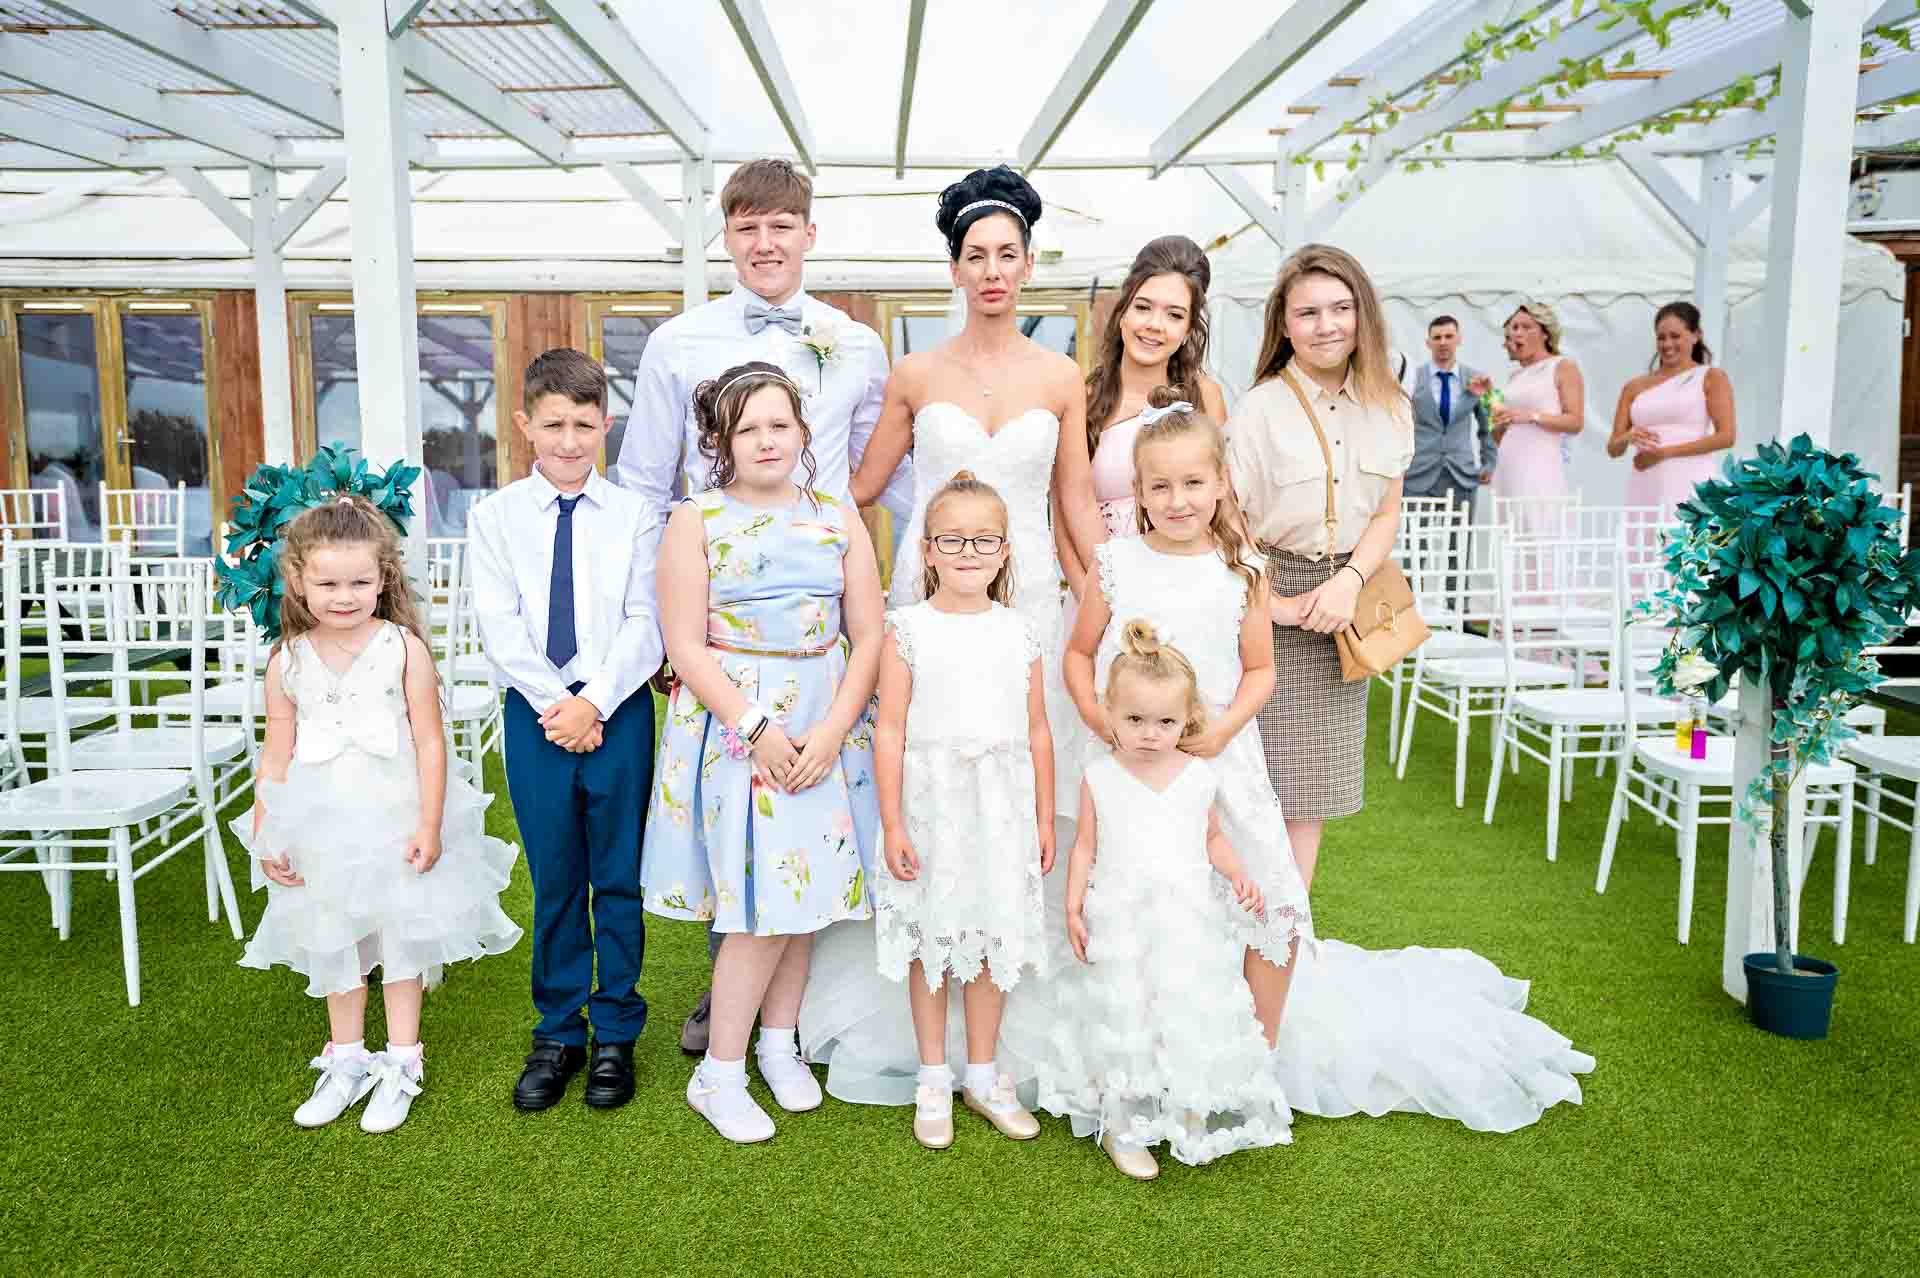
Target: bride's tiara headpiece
993,204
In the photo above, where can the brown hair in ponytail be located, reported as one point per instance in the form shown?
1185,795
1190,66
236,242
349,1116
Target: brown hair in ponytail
964,484
1143,656
1227,526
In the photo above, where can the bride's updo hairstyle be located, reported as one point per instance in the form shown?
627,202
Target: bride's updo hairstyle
718,403
1227,526
984,193
1143,656
964,484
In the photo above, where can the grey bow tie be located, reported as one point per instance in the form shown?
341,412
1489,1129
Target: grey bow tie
759,315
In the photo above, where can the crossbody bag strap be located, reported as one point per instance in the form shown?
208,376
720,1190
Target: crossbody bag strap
1313,419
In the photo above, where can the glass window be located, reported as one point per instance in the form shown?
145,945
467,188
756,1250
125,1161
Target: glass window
460,413
167,435
66,435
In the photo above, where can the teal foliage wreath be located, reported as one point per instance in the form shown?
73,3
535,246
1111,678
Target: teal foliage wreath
1785,572
274,496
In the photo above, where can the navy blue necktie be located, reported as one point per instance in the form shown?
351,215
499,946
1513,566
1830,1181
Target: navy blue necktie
1446,398
562,643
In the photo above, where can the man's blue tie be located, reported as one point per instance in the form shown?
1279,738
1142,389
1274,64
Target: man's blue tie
562,643
759,315
1446,397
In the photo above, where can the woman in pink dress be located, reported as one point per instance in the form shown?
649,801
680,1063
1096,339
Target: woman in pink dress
1156,335
1544,408
1677,418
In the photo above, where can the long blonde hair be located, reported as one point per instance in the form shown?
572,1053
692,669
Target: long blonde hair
1372,374
346,521
1142,654
1227,525
965,484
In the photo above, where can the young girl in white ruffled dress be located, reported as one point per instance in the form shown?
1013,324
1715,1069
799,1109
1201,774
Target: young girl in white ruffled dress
373,855
964,761
1155,1037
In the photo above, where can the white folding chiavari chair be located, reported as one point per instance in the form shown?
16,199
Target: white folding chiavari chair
235,692
1685,793
149,789
28,616
1434,549
1475,684
1558,726
152,521
474,715
33,514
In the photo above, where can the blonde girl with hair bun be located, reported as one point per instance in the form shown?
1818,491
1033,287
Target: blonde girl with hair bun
1155,1037
964,762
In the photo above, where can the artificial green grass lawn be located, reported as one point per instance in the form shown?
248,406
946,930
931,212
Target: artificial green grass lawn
159,1138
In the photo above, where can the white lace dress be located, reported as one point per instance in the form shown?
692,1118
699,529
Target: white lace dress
1156,1039
968,803
1196,603
342,818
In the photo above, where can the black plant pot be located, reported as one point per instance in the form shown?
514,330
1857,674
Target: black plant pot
1797,1006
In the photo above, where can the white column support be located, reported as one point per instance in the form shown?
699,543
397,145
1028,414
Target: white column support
1751,206
1820,63
1290,184
1710,258
201,188
909,71
319,188
1667,191
1251,202
641,192
270,319
696,181
373,84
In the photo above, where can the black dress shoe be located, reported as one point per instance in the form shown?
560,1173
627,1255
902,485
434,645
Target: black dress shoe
610,1076
550,1066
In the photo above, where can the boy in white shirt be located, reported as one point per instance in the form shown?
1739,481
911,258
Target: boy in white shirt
563,579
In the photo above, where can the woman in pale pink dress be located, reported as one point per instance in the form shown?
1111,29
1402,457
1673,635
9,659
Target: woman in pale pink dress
1156,335
1544,408
1677,418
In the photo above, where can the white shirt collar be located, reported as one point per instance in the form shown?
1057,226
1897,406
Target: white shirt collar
741,295
545,494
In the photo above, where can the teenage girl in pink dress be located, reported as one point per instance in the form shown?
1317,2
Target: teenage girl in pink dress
1677,419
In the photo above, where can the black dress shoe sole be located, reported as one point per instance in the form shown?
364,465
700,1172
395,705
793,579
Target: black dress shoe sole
535,1104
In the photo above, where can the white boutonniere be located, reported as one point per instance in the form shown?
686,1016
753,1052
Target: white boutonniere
821,340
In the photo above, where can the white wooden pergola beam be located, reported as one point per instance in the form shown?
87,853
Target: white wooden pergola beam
1896,78
1897,129
319,188
696,180
185,44
400,13
1688,84
1588,38
454,80
1108,35
1710,257
1666,189
71,78
642,193
614,47
763,51
909,71
37,128
216,202
1296,33
1251,202
1751,206
270,318
1427,59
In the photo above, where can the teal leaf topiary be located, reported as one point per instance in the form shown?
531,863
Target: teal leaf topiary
274,497
1785,573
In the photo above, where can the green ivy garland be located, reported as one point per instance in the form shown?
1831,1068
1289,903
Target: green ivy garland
274,497
1785,572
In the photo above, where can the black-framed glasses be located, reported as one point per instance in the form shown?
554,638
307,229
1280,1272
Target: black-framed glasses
954,543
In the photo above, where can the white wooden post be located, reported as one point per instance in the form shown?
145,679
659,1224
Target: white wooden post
1710,261
270,318
386,332
696,177
1820,60
1290,184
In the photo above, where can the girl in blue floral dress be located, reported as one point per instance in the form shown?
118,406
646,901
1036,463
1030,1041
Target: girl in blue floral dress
763,818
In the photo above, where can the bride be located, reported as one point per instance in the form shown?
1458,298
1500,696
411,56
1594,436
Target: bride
995,402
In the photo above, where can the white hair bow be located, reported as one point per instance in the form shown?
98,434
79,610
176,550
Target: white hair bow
1148,416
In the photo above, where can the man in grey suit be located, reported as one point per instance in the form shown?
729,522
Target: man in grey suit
1453,448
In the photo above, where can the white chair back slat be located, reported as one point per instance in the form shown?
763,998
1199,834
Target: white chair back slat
152,520
34,514
113,617
1550,589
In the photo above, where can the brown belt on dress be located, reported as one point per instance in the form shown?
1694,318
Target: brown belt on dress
771,652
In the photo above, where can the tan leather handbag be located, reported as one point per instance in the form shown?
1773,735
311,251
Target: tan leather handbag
1386,625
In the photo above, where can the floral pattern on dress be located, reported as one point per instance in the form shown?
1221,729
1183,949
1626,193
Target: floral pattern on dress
758,859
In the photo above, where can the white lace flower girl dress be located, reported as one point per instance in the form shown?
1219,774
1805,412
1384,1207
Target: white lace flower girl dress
343,817
1155,1038
967,799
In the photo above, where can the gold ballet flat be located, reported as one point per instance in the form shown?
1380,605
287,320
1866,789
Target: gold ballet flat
1015,1123
1140,1164
934,1131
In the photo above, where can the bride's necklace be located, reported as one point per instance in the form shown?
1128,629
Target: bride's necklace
973,372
